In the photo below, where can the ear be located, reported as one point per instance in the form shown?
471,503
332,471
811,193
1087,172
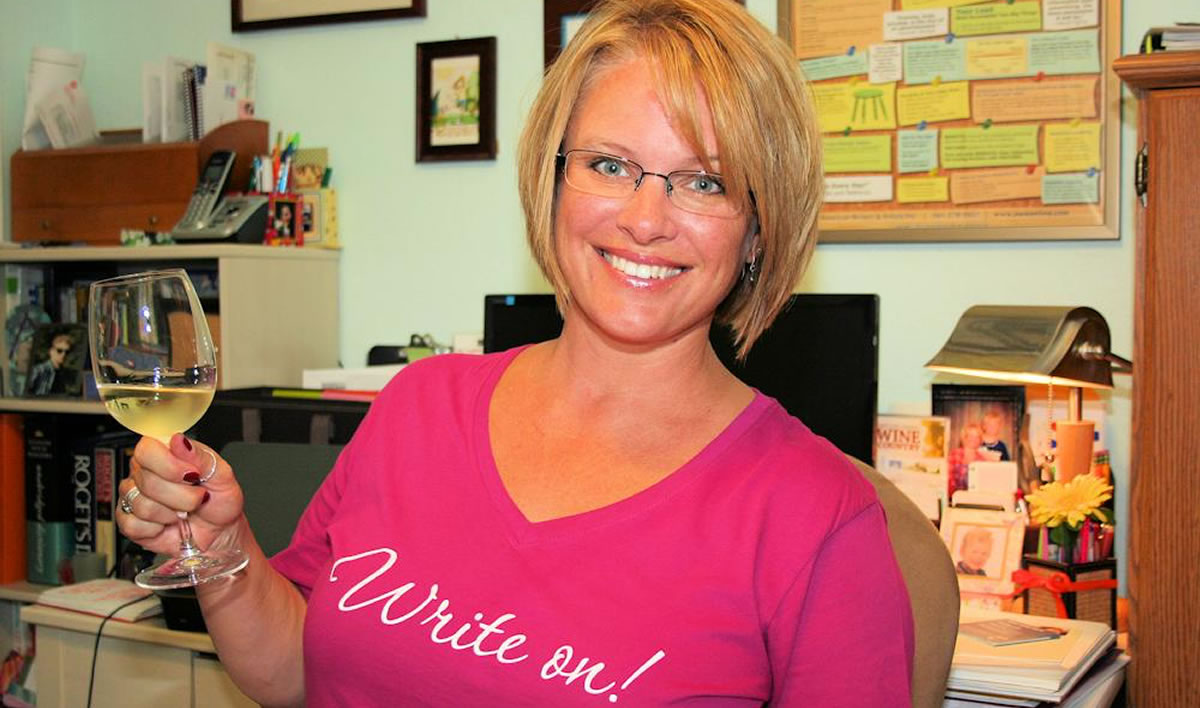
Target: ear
752,244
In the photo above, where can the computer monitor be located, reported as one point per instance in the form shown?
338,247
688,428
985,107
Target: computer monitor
819,359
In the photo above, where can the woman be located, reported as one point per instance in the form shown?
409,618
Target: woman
611,515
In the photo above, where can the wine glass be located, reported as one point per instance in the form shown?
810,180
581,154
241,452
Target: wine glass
156,371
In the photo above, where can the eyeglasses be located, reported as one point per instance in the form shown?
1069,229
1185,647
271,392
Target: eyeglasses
615,177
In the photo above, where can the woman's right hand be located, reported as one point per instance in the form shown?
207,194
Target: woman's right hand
177,479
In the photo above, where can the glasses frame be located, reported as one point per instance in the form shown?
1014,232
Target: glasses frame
560,161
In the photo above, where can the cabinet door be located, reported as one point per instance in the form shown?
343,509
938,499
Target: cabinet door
212,686
128,674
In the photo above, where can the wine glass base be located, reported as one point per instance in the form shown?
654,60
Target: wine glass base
192,570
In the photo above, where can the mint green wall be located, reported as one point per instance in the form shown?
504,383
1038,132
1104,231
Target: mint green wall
424,243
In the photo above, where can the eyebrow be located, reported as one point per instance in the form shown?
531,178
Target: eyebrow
619,150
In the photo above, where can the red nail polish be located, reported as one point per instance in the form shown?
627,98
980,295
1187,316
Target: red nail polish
188,444
205,498
192,478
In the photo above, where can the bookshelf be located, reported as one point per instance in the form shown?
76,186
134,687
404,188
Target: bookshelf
277,307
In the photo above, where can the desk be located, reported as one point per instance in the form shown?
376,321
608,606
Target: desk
139,664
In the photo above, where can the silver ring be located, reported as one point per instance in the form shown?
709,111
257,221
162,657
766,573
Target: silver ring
211,470
128,497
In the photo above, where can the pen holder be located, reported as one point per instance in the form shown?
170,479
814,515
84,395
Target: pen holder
1097,605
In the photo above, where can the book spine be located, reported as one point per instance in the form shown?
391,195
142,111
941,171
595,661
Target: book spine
12,499
83,496
103,469
48,513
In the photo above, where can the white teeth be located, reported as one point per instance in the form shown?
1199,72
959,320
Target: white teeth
641,270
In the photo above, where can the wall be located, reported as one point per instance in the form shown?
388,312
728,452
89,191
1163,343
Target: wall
424,243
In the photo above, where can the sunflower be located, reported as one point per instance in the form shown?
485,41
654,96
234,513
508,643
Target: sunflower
1072,502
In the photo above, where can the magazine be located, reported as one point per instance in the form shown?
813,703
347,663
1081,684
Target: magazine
101,597
1002,632
911,452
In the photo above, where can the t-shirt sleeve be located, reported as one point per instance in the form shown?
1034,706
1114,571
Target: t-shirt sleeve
842,635
309,551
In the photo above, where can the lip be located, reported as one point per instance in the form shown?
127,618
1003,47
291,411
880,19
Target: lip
640,258
645,284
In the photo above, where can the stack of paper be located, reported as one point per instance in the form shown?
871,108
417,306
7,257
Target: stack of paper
1031,671
104,597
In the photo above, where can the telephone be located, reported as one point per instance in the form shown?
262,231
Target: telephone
210,218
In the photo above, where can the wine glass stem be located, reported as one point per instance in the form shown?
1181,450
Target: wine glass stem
187,546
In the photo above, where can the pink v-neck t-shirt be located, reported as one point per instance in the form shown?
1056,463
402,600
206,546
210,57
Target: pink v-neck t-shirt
759,571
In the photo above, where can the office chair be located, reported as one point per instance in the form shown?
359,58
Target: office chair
932,589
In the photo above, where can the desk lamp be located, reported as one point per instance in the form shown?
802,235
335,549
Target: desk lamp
1058,346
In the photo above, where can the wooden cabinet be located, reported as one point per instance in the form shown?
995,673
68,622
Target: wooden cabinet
1164,545
139,664
277,308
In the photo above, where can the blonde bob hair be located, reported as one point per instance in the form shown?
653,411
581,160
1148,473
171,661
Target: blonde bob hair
762,111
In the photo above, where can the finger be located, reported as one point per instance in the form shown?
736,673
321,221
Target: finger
163,491
214,472
145,518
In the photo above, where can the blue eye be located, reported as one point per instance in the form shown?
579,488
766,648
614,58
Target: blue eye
609,167
703,184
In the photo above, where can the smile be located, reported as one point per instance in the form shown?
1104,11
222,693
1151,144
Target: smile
644,271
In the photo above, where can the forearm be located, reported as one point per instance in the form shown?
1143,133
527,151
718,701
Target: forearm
256,621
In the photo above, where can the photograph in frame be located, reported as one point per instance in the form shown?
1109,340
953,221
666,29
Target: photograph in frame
985,547
985,425
284,225
456,100
253,15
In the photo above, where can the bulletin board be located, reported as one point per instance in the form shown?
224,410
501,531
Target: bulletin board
960,120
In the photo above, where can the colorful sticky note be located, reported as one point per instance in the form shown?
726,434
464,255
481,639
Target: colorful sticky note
915,24
997,57
995,185
916,150
829,27
933,103
1069,14
858,153
1011,101
915,190
858,106
885,63
998,147
834,67
996,19
925,60
863,188
1072,147
1071,188
1058,53
927,4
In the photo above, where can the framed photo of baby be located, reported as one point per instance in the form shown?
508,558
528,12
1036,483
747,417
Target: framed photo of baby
985,425
985,547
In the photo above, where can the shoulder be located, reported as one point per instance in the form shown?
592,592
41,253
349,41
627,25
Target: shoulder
810,481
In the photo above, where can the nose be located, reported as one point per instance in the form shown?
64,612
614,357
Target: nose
646,214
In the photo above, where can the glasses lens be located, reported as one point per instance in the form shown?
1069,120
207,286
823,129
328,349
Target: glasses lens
702,193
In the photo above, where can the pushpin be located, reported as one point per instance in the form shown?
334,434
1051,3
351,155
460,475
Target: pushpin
922,125
846,131
987,123
937,80
949,38
1040,75
933,172
850,51
1075,122
1030,169
1091,172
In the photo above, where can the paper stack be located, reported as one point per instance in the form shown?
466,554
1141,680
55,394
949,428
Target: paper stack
1027,673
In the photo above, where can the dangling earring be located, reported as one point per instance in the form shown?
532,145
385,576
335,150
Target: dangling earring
750,269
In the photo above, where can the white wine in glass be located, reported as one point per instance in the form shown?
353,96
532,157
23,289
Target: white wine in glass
156,371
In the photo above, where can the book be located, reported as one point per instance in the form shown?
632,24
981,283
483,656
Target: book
1184,36
48,514
107,453
1045,671
911,452
101,597
12,501
1002,632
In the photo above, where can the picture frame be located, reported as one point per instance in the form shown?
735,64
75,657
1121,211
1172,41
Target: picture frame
1018,182
254,15
985,425
986,547
560,20
284,227
57,359
456,100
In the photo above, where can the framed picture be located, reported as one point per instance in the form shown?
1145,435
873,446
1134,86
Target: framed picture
251,15
57,358
985,547
985,425
456,100
560,20
284,226
963,122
